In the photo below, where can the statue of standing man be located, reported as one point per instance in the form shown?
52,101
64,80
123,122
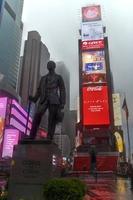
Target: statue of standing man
52,96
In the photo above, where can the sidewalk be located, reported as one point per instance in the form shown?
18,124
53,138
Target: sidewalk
109,190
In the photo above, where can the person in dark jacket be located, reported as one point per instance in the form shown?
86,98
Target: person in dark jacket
52,96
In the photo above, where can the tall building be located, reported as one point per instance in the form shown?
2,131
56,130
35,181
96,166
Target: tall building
10,39
34,58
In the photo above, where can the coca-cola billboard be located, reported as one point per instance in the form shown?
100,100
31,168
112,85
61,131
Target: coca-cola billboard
95,106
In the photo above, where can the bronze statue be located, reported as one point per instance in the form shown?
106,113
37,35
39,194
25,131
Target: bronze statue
52,96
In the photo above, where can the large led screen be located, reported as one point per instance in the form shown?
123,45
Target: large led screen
11,138
93,67
95,106
18,118
3,106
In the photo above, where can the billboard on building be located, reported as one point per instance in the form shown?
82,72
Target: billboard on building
95,106
11,138
18,117
91,13
117,109
94,44
3,107
92,31
93,67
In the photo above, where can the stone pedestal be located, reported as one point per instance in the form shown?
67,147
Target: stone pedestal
34,162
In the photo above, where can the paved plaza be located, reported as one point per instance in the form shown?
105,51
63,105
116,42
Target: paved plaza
107,189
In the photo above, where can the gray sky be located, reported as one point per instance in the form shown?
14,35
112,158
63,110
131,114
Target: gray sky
58,22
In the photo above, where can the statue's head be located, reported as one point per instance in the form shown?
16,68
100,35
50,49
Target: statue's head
51,66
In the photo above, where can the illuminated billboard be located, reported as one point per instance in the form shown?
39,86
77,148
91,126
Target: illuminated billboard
3,107
11,138
94,44
92,31
21,110
18,117
95,106
93,67
91,13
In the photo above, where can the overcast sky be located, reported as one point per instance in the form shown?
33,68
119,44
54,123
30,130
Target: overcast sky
58,22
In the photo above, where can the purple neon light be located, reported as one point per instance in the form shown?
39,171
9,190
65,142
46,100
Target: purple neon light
3,104
29,125
18,115
14,102
11,138
17,125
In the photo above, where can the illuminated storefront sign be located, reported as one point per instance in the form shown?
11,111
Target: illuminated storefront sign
11,138
95,106
91,13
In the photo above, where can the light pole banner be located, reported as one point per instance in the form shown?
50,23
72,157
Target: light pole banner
92,31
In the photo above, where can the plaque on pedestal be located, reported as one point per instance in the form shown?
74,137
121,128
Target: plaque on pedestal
34,162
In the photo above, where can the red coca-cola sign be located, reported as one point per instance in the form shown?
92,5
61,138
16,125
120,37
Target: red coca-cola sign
95,105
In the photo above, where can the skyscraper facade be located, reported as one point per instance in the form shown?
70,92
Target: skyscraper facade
10,39
34,58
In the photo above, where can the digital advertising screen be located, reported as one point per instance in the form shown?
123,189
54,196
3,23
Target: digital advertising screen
21,110
91,13
3,107
93,44
92,31
95,106
93,67
18,118
11,138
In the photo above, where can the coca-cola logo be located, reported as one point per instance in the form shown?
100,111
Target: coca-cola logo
94,89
